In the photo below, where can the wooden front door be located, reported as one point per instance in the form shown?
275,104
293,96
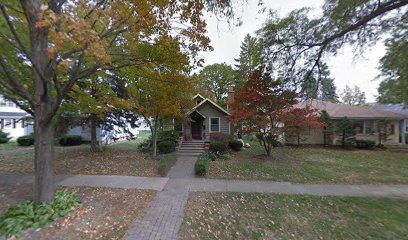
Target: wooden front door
196,130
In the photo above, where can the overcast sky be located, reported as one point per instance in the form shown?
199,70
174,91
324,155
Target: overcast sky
344,69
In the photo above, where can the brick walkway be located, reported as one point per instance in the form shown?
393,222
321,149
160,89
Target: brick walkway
164,216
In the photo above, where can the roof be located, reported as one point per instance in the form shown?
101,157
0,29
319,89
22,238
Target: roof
199,95
13,114
395,108
195,111
209,101
340,110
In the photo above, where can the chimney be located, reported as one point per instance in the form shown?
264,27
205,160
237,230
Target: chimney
231,95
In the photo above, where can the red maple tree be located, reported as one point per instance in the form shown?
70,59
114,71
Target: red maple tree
259,107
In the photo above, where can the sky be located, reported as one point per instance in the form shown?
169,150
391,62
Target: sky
346,70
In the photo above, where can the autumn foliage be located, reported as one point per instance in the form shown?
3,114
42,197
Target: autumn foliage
259,107
265,107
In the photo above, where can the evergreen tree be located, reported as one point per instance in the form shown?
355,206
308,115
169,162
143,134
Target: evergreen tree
4,137
322,88
328,127
250,58
345,129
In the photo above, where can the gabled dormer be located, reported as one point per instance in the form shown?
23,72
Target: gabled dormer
198,99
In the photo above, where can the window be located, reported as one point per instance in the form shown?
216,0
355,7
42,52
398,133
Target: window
11,104
214,124
8,123
358,126
406,126
368,127
2,103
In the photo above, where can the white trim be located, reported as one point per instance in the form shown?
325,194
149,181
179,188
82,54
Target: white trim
213,103
199,95
198,113
209,124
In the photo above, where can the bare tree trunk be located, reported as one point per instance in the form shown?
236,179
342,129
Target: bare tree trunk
154,137
43,159
324,137
94,139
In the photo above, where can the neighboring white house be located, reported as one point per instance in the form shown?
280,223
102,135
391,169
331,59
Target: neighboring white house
12,119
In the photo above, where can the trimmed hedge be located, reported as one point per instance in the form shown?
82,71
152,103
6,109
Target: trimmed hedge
218,147
70,140
26,140
365,144
166,147
201,166
235,145
4,137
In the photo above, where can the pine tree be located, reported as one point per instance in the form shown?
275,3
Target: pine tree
250,58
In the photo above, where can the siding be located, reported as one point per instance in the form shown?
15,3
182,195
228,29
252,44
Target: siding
209,111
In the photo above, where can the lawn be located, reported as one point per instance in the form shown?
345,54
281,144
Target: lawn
116,159
314,165
9,146
105,213
275,216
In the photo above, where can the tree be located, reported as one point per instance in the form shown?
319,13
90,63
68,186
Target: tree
345,129
394,67
169,93
298,120
250,59
259,107
299,44
353,96
216,78
328,127
382,131
322,89
47,46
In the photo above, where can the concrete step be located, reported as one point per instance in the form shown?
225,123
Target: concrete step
192,147
188,154
189,150
193,144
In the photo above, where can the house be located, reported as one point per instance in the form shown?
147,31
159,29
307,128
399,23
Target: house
206,117
403,123
13,120
365,119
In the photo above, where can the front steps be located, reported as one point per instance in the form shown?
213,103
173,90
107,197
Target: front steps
191,148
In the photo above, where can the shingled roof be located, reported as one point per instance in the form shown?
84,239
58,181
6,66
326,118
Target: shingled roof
340,110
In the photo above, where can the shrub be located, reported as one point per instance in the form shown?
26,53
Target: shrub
218,147
70,140
29,215
201,166
4,137
235,145
26,140
145,146
219,137
168,136
365,144
166,147
166,162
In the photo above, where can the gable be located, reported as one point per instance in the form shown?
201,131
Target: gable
210,110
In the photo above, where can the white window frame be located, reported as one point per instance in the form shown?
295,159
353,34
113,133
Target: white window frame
219,124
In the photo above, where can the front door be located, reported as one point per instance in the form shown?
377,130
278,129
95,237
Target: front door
196,130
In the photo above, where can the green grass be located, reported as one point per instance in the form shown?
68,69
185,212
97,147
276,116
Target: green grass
314,165
276,216
9,146
165,163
